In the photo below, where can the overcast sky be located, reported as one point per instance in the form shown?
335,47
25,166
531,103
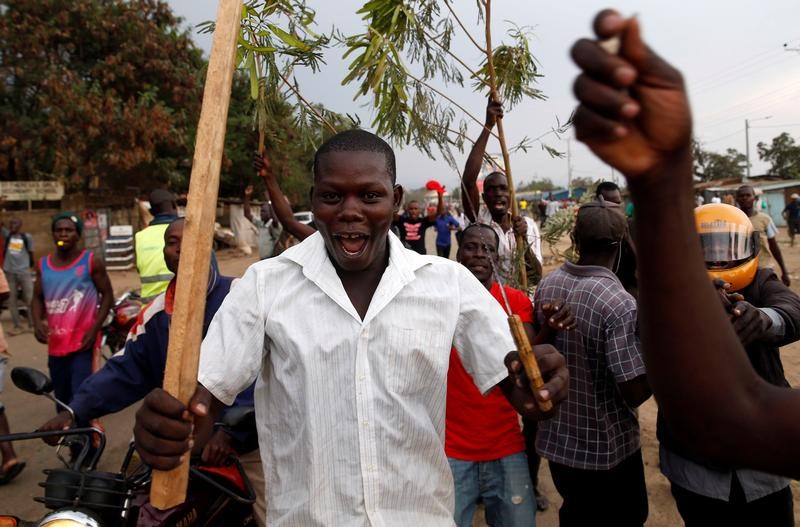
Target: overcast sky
731,53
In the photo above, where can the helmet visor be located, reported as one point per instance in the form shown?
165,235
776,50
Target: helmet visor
729,248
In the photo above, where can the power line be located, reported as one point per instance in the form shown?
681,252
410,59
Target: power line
718,139
761,98
790,125
746,72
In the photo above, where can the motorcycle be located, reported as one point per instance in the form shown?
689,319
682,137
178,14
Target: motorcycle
121,318
82,496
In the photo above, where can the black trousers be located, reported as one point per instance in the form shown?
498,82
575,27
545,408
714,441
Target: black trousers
443,251
615,497
529,427
774,510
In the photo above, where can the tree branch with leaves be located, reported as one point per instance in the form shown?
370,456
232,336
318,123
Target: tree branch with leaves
409,108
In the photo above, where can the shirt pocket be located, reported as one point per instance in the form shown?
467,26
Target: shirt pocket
417,360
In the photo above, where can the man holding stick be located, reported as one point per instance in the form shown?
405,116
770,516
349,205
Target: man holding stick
483,441
634,114
496,210
350,401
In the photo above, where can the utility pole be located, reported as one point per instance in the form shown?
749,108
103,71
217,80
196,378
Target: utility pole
747,140
569,169
747,147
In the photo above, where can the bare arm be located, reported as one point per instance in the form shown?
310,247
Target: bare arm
778,255
40,329
439,207
710,396
472,168
103,285
279,202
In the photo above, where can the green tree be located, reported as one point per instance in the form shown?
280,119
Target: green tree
582,182
784,156
96,92
543,184
710,165
268,110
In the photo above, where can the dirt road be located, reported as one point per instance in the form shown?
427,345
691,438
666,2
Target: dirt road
26,412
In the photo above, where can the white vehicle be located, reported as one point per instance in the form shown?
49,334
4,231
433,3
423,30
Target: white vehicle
305,217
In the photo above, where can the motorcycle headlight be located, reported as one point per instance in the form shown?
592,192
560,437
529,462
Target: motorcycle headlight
69,519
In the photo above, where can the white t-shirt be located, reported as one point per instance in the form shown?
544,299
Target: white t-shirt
351,412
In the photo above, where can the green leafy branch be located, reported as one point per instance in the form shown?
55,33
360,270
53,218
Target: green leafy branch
277,36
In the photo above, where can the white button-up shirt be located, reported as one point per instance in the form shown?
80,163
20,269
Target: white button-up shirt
351,412
508,240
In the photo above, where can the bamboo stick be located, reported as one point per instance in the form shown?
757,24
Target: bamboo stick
521,246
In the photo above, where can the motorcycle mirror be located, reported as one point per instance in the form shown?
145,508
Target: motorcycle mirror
31,380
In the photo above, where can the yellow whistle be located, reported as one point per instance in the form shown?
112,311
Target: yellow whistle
60,243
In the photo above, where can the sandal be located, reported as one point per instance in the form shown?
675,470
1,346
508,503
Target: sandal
11,472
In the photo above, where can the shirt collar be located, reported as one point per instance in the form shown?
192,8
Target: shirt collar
160,219
589,270
312,256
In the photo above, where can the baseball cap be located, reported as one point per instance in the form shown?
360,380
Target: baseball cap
795,195
160,195
600,223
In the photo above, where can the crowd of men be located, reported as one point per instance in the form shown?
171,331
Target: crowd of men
401,399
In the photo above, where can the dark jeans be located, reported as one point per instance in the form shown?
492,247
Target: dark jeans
67,374
617,496
529,427
775,510
443,251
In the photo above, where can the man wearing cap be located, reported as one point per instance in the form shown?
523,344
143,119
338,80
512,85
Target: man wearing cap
592,442
792,215
70,285
149,245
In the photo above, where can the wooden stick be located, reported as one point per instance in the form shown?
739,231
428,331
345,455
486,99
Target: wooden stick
521,248
180,378
528,360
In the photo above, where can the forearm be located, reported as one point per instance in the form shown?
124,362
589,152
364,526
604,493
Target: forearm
102,312
777,255
472,169
37,310
284,212
696,365
120,383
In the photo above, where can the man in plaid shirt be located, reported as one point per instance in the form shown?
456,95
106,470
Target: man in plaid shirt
592,442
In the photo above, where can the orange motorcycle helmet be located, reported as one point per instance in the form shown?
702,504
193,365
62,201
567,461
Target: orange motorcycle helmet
730,246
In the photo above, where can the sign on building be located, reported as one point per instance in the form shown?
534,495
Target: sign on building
31,190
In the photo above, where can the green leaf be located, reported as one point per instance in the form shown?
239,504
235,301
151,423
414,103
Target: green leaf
288,38
251,65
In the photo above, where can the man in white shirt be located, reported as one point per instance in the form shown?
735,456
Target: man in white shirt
348,337
495,211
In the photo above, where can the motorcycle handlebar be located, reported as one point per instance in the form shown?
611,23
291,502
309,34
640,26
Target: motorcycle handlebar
86,431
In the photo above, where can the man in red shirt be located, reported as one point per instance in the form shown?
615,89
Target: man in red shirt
483,441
